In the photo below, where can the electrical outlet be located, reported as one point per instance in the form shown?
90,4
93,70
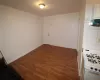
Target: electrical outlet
98,40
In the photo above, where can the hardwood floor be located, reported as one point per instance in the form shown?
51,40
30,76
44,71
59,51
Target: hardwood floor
48,63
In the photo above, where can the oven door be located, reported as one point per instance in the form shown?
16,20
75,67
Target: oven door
88,75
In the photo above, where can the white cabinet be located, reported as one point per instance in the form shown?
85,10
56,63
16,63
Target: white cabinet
92,11
88,12
96,13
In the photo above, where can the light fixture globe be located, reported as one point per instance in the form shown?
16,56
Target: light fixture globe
42,6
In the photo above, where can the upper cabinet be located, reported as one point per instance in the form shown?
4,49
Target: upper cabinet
96,12
88,12
92,11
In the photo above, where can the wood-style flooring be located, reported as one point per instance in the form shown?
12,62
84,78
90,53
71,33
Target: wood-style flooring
48,63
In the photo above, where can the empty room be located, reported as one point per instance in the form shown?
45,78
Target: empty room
49,40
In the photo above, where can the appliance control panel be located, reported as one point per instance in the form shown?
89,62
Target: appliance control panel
92,60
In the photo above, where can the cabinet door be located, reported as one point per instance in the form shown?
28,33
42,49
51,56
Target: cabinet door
96,11
88,12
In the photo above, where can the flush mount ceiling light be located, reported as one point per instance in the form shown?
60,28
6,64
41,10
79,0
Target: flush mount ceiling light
42,6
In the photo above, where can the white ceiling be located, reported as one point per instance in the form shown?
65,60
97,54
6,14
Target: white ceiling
53,7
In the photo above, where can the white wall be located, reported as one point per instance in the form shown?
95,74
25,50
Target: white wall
81,29
1,38
61,30
22,32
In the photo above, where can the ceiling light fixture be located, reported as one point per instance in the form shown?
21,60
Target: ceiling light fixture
42,6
